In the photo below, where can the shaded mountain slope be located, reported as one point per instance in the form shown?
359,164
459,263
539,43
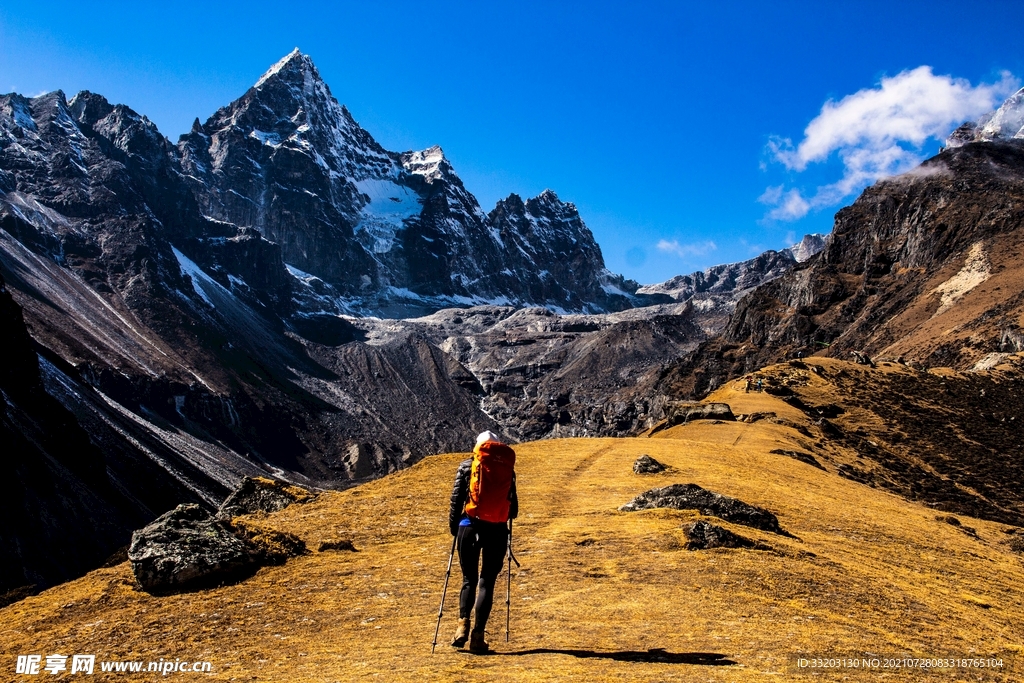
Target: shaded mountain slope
58,480
602,594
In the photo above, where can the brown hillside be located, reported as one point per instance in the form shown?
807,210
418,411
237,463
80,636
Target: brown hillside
602,594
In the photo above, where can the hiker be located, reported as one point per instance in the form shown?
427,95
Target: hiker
760,384
746,387
483,501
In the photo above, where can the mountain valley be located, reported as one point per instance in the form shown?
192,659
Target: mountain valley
277,295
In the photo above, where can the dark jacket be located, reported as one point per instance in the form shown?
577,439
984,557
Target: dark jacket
460,493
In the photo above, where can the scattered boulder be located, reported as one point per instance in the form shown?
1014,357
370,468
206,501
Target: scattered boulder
827,410
693,497
1016,540
861,358
645,464
342,544
188,548
17,594
852,473
703,535
953,521
261,494
802,457
687,411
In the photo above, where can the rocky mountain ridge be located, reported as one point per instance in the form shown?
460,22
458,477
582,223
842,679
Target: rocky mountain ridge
715,291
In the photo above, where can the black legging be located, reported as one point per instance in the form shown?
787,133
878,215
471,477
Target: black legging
490,540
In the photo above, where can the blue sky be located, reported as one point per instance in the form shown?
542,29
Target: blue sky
677,129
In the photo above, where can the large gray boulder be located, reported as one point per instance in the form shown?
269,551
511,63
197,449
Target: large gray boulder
645,464
188,548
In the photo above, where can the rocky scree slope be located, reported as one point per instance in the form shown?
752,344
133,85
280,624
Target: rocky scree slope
59,479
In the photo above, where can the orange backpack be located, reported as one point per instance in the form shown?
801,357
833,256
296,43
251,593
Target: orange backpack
490,482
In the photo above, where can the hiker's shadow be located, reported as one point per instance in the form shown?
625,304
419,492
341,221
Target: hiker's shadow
656,655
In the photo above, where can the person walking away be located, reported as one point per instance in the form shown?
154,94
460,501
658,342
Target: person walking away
483,501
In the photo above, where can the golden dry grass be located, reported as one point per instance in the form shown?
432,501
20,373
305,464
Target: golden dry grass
868,573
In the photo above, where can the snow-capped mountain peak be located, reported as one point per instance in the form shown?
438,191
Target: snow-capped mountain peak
293,61
289,160
1005,123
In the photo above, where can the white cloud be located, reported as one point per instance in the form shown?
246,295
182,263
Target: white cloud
787,206
878,132
685,250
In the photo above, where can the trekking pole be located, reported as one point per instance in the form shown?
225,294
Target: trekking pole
508,586
440,610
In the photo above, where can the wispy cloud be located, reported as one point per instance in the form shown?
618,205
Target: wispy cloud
878,132
687,250
786,205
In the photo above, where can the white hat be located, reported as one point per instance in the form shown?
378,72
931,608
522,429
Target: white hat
487,436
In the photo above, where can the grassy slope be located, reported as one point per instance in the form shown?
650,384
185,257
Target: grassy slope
870,573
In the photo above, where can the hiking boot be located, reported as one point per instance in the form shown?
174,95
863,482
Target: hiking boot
476,643
461,633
